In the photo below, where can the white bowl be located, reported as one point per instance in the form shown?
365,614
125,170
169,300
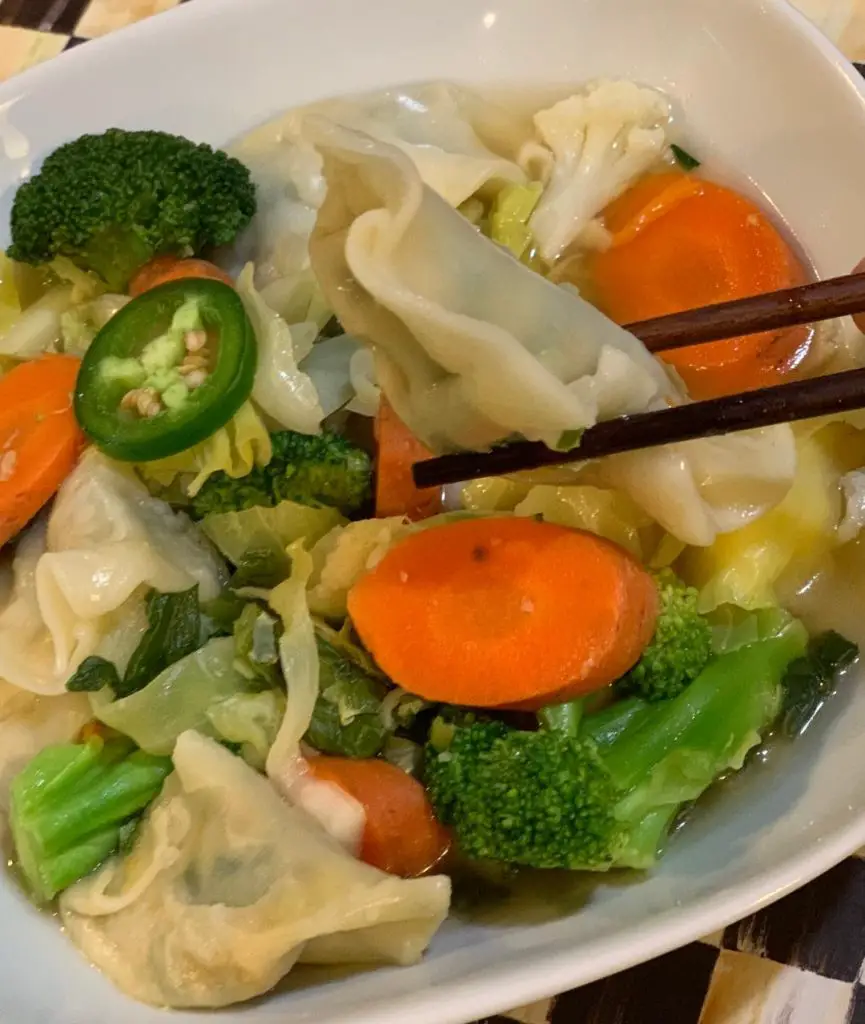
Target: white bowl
769,96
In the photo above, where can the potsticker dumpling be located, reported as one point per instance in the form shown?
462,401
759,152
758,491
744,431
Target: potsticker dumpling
79,580
228,886
471,347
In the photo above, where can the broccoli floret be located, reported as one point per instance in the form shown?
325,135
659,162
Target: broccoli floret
680,648
69,806
110,202
603,791
312,469
537,798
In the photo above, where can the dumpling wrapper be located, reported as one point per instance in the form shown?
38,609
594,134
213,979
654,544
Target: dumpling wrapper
29,722
229,886
459,142
471,347
79,581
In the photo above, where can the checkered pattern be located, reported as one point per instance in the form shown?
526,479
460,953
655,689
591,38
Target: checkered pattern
800,961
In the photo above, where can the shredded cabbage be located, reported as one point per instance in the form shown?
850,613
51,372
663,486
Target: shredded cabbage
298,658
509,217
606,513
284,391
36,330
250,719
262,529
342,556
744,567
241,444
179,698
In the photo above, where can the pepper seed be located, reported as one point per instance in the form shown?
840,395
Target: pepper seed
195,340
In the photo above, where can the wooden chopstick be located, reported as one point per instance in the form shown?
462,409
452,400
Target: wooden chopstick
784,403
821,300
799,400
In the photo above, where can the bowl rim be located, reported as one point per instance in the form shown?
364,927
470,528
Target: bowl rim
464,999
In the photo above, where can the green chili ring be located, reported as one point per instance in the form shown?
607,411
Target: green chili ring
210,406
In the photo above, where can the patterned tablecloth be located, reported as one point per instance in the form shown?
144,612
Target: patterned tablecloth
800,961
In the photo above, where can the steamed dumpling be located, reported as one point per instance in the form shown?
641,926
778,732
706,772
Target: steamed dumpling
228,887
433,125
29,722
471,347
79,579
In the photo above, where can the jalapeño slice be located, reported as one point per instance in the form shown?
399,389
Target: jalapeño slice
167,371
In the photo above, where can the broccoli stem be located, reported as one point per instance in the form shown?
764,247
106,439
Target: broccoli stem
606,726
563,718
729,704
670,752
69,803
115,254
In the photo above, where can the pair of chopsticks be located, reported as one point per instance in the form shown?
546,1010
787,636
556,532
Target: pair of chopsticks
784,403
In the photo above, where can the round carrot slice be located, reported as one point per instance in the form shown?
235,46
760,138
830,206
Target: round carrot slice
680,242
39,437
504,611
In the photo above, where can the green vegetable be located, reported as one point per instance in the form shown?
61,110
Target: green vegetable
734,627
607,725
810,680
400,709
178,699
347,717
403,753
111,202
174,631
262,568
683,158
557,799
142,352
219,615
248,723
259,529
256,644
92,674
69,805
509,216
680,648
310,469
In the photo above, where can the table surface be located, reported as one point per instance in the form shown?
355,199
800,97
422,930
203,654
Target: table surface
800,961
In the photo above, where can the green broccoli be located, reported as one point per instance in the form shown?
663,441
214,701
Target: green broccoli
603,792
69,806
680,648
312,469
110,202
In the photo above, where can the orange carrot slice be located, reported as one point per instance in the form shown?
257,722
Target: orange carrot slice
504,612
39,437
398,449
401,834
162,269
680,242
